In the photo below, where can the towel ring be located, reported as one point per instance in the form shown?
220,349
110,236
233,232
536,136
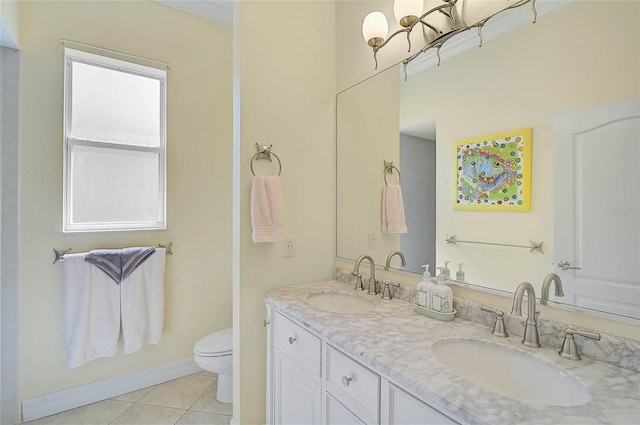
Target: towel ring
264,152
388,169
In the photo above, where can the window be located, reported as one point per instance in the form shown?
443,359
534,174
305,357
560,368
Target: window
114,146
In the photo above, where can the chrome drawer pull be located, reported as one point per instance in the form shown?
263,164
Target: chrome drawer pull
346,381
292,339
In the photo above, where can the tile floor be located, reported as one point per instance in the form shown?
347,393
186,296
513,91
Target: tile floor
190,400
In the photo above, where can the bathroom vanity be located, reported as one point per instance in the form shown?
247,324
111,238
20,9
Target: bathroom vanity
378,367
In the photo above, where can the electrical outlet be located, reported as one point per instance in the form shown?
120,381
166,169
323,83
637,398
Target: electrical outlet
289,247
372,241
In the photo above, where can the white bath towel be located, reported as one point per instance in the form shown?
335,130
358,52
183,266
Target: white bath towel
91,311
393,220
142,303
266,209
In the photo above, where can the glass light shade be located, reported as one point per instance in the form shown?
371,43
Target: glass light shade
374,25
402,8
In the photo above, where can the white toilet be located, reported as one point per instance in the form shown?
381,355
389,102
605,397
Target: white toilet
214,353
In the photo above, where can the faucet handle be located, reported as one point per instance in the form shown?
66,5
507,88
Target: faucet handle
569,348
499,328
386,291
359,285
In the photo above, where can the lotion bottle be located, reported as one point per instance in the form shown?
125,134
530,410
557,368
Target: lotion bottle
445,270
460,273
442,296
424,287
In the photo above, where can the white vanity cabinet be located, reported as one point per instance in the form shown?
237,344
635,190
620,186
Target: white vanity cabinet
296,386
311,382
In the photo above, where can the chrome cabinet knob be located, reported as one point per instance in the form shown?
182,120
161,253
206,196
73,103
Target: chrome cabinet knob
292,339
346,381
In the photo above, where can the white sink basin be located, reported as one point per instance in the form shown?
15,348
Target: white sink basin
511,372
334,302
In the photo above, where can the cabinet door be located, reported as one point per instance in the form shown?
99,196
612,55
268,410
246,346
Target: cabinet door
298,396
337,414
404,409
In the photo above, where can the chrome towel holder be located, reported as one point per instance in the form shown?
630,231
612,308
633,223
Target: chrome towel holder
532,247
264,152
59,254
388,169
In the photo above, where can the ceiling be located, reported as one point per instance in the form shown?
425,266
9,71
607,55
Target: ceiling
218,11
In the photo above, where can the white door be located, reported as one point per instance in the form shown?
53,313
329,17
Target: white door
597,207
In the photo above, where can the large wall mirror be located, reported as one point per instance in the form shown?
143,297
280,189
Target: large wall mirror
583,55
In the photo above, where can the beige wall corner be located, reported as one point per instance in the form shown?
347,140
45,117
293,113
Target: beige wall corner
284,95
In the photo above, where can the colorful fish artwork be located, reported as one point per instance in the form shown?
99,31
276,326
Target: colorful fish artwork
493,172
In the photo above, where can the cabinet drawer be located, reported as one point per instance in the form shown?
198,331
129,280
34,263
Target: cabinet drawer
355,386
298,343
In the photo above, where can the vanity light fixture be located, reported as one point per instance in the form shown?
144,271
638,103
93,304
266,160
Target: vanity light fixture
409,14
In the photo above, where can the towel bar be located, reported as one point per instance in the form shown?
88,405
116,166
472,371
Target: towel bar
59,254
532,247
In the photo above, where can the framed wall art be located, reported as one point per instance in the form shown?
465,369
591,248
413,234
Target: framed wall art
493,172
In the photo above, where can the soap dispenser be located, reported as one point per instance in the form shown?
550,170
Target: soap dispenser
460,273
445,270
424,287
441,295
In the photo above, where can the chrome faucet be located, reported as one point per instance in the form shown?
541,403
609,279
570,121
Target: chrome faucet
551,277
531,338
391,254
373,283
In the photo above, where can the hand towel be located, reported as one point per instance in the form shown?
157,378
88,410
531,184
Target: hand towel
393,220
118,264
142,303
266,209
107,260
91,311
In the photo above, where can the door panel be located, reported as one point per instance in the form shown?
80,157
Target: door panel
597,206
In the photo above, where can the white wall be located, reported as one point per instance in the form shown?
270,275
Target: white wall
284,70
198,276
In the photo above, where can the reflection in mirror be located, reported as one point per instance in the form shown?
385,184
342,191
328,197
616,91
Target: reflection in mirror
368,138
521,79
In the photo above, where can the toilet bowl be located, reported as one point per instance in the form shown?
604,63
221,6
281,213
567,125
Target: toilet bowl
214,353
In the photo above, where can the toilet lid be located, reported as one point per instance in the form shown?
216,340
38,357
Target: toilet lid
216,344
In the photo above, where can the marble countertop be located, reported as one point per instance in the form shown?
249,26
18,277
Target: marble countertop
395,341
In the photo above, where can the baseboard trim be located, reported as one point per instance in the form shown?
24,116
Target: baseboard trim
50,404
